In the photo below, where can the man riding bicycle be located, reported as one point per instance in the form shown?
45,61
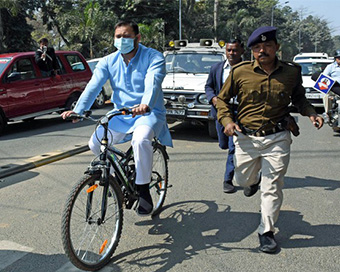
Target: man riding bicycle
136,73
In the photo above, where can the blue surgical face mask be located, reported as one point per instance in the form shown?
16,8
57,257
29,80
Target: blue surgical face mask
125,45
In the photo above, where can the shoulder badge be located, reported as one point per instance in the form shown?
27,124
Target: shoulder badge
242,64
292,64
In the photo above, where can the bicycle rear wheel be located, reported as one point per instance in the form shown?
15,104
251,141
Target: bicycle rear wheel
159,177
88,241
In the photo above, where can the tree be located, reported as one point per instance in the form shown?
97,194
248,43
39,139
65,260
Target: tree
15,33
153,34
84,26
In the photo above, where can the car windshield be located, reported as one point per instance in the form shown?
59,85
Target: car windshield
309,68
191,62
3,63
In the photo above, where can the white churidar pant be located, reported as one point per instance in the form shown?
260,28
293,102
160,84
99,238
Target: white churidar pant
142,148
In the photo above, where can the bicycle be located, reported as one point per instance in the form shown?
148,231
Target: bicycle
92,219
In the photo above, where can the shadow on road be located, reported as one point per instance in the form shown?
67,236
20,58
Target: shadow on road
189,132
191,227
327,184
14,179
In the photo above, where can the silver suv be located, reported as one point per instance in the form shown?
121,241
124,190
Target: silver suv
187,69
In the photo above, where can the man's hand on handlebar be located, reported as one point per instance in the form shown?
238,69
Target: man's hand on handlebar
140,109
67,114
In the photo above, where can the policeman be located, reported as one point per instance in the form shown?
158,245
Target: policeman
264,89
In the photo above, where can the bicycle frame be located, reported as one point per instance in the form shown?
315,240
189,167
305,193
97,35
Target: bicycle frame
119,160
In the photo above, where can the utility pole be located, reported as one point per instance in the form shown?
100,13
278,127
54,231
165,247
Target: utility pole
180,19
299,45
216,4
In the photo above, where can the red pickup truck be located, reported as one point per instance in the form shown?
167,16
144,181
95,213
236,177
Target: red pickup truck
26,94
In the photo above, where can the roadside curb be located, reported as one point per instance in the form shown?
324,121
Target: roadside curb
37,161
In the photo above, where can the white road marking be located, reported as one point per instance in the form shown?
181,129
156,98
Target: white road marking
69,267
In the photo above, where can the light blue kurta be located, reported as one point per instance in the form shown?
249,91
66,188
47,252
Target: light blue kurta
333,70
139,82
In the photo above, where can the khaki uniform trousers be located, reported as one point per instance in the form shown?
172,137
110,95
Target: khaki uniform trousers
270,156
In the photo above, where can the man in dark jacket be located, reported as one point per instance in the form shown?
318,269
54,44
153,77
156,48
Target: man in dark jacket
218,74
46,59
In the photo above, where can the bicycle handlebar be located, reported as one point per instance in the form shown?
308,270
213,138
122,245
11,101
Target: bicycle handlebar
87,114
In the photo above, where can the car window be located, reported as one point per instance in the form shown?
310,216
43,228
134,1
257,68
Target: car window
191,63
21,70
61,67
309,68
75,63
3,63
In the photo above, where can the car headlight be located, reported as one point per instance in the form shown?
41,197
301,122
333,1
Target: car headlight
181,99
202,98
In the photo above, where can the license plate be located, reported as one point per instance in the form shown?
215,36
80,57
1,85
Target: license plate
313,95
175,112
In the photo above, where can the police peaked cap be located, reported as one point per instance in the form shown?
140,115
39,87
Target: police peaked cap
337,54
262,34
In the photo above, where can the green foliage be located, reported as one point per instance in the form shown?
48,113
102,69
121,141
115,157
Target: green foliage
153,34
87,25
15,33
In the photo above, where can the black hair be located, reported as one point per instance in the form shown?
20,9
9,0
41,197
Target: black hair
236,40
128,23
43,40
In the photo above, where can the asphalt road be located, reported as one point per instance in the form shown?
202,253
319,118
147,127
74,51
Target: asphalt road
200,228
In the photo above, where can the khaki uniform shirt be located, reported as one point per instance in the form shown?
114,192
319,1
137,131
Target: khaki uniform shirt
262,99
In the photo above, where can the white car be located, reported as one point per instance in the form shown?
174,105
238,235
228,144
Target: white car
187,71
302,56
308,68
106,93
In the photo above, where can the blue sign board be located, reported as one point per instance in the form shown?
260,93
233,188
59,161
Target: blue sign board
324,83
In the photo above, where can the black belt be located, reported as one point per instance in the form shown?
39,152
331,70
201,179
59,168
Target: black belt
261,132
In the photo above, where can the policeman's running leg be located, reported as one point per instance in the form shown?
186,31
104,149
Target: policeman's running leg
89,240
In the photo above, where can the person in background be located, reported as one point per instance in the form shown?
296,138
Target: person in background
332,70
217,76
136,73
46,59
264,88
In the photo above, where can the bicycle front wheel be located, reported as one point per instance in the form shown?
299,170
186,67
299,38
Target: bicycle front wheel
159,177
88,240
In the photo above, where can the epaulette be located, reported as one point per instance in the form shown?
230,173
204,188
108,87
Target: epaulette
292,64
241,64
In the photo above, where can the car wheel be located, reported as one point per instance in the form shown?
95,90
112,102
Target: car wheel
100,101
71,102
3,123
212,129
